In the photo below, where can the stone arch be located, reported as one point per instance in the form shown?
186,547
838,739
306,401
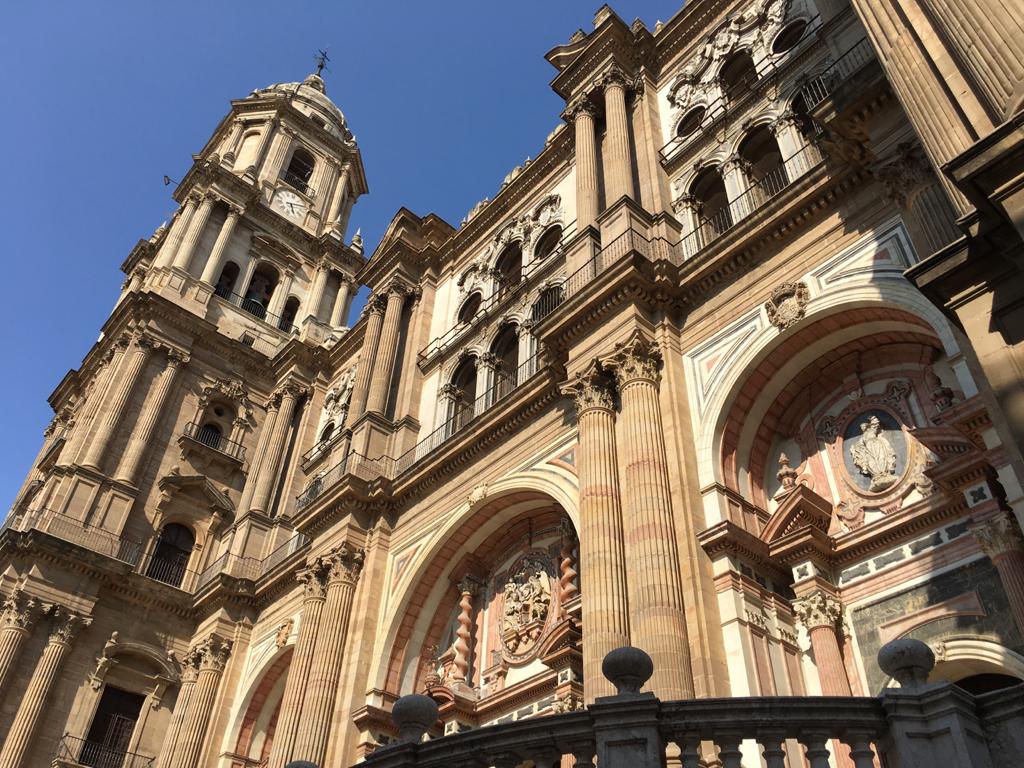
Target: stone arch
962,656
256,716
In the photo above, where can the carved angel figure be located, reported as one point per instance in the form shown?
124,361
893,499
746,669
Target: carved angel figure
874,456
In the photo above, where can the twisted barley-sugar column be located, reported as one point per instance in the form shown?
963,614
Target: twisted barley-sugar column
121,388
657,612
19,614
620,164
270,463
345,563
581,111
819,612
151,412
468,588
380,385
375,308
602,557
1001,540
189,670
30,709
213,655
314,581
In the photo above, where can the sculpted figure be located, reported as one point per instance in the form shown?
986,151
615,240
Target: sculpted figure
874,456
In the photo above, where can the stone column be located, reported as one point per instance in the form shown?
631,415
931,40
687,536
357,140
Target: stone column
213,654
287,396
339,315
567,573
277,301
581,111
213,264
618,158
1000,539
340,195
232,140
316,293
314,581
819,612
793,146
189,670
96,393
178,227
260,456
345,563
150,417
734,174
269,129
32,705
122,387
19,614
183,256
468,588
387,350
657,612
367,359
687,210
602,557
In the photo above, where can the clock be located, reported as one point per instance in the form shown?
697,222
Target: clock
290,205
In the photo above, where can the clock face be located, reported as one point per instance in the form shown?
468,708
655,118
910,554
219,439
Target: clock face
290,204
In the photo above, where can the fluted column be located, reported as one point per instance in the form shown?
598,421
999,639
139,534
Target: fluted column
189,670
178,227
658,620
20,612
213,654
314,581
231,143
269,129
819,612
619,162
31,707
468,588
387,350
581,111
602,557
152,410
1001,540
286,397
96,394
316,293
110,413
183,256
345,564
213,264
368,357
338,314
796,151
277,301
340,194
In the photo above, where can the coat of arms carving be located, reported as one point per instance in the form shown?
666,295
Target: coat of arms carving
527,604
787,305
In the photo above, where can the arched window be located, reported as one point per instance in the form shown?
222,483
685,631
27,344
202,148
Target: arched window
470,307
713,203
547,243
509,267
464,401
764,162
288,315
170,557
547,302
226,282
506,348
737,76
261,288
209,434
299,169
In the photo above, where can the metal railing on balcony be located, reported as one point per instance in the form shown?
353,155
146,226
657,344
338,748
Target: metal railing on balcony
91,537
295,544
229,565
212,438
257,309
322,447
297,182
823,84
91,753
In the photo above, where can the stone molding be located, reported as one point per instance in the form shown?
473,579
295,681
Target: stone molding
998,536
818,609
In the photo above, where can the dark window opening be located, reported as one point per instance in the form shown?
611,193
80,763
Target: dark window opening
209,434
288,314
112,726
261,288
299,169
712,201
226,282
546,303
691,122
327,433
506,349
509,268
765,168
986,682
170,557
789,36
464,381
738,76
470,307
548,243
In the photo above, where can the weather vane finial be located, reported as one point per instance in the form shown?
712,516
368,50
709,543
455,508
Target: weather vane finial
321,59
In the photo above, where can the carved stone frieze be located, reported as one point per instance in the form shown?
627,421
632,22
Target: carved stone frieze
787,304
526,604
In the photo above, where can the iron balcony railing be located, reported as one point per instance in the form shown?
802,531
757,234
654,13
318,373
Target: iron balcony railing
296,182
81,752
823,84
257,309
323,446
212,438
93,538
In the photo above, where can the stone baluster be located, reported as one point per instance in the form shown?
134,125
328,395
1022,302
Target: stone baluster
375,308
110,413
316,293
32,705
216,259
602,557
152,410
287,397
619,163
581,111
189,670
178,227
339,313
20,612
196,225
819,612
345,563
658,616
314,583
1000,539
468,588
387,350
213,654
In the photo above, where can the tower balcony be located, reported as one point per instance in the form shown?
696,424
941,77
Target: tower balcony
73,752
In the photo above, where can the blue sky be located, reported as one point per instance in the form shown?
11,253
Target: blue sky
103,99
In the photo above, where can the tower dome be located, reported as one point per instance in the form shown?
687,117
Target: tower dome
310,97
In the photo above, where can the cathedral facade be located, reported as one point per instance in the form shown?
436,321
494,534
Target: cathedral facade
727,372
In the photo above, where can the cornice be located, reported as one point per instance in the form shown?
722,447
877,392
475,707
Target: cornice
612,40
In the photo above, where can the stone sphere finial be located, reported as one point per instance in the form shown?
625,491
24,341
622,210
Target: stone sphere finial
628,669
301,764
908,661
414,715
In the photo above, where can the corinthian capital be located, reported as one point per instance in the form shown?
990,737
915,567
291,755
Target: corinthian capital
345,563
818,609
637,359
582,104
998,536
213,653
19,611
314,579
590,389
615,77
66,625
469,585
377,303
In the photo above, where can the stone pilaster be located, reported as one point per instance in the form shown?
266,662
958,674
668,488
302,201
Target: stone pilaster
375,308
602,557
387,350
619,162
213,264
259,458
819,612
20,612
345,563
581,112
287,396
212,656
340,195
1000,539
183,256
656,606
65,627
95,395
314,583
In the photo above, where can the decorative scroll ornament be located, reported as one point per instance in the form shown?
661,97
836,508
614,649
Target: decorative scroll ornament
527,604
874,455
213,653
787,305
66,625
345,563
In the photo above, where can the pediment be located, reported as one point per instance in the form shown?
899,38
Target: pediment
801,508
196,489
